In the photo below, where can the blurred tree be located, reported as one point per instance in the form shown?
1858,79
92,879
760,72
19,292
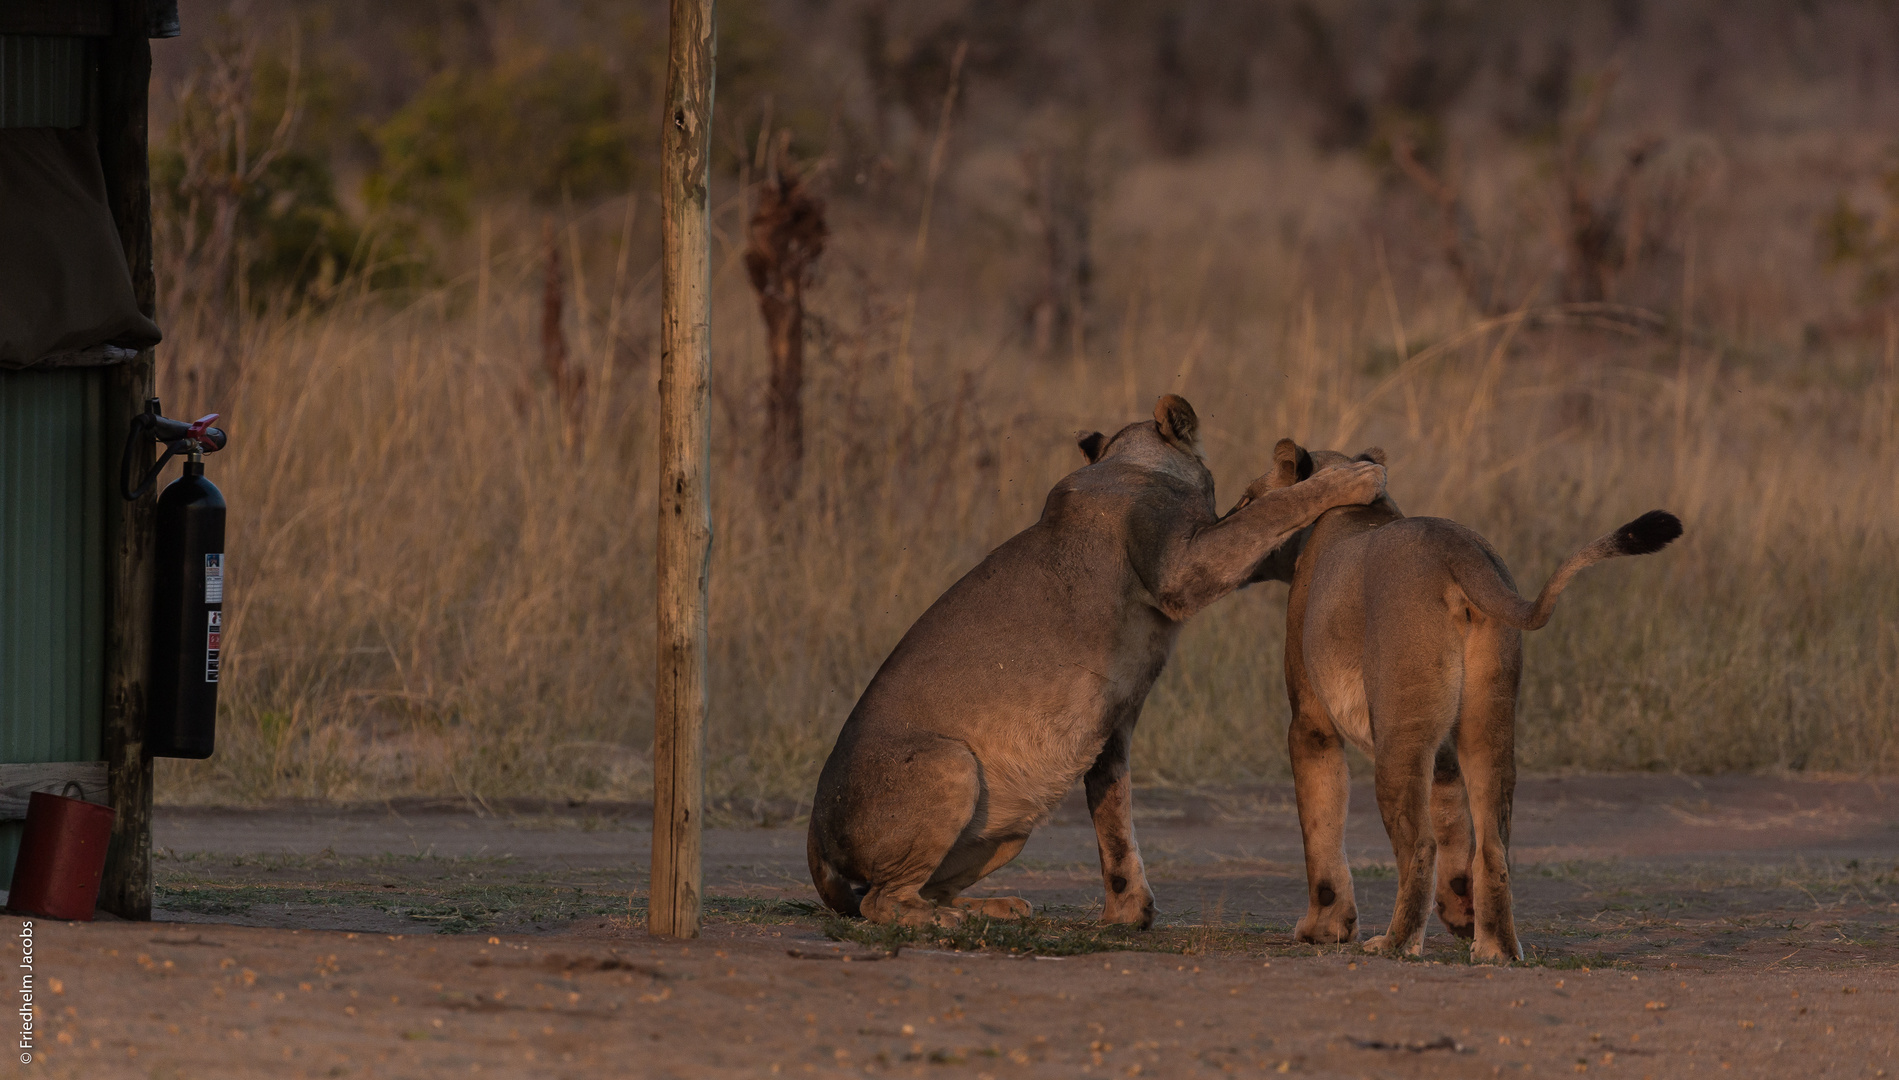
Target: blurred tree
1345,120
504,117
1429,59
541,123
1059,181
1176,115
1594,237
245,203
1865,243
786,237
1534,107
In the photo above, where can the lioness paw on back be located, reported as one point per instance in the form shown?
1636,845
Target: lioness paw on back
1030,672
1403,638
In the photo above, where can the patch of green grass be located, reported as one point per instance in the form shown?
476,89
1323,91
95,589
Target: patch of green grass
459,909
1076,936
1571,961
453,906
1046,865
325,859
752,909
1828,878
1030,937
1046,936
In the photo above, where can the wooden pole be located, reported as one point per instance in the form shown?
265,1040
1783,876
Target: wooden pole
125,72
685,519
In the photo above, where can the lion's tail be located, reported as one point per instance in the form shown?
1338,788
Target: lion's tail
833,888
1649,533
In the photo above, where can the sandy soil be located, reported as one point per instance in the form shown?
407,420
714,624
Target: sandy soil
1733,926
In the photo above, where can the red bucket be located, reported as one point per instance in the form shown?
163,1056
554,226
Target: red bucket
62,857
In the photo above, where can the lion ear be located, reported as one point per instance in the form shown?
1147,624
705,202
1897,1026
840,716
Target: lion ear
1178,424
1375,455
1091,443
1291,464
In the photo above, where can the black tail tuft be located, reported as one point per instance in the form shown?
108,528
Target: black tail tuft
1651,532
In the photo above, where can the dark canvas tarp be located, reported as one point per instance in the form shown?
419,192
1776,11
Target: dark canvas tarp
64,286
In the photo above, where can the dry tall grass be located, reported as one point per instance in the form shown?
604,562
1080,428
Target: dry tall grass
442,583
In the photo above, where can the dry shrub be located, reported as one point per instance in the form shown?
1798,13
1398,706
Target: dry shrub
1059,183
434,593
786,238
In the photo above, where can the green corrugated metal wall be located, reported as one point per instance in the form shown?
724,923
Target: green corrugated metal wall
53,501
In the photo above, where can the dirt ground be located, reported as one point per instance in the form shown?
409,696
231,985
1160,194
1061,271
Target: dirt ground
1676,926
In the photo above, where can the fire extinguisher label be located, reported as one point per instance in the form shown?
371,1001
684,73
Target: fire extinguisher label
212,645
214,579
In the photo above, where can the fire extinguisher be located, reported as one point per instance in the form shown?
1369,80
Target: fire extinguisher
188,594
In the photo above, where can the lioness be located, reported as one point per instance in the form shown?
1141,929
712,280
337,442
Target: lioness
1403,635
1031,671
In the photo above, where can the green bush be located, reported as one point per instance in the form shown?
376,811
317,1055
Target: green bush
550,123
244,195
1865,243
545,124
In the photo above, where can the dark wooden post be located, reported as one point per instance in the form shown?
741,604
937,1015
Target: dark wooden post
125,72
685,519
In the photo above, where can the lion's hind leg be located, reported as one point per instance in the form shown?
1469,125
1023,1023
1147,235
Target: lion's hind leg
1486,754
1403,783
1323,788
906,832
834,888
970,863
1414,703
905,908
1450,820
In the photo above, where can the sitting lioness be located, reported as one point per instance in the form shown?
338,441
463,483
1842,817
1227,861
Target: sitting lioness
1030,673
1403,637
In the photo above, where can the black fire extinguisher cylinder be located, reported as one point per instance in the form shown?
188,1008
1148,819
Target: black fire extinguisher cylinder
187,617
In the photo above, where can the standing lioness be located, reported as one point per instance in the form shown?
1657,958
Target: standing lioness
1031,671
1403,636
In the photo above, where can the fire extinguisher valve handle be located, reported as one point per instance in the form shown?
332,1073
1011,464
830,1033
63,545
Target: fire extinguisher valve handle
204,435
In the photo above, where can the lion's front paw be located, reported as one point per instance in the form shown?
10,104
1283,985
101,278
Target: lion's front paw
1489,951
1367,481
886,909
1328,928
944,916
1130,909
1013,907
995,907
1383,943
912,911
1464,930
1455,909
